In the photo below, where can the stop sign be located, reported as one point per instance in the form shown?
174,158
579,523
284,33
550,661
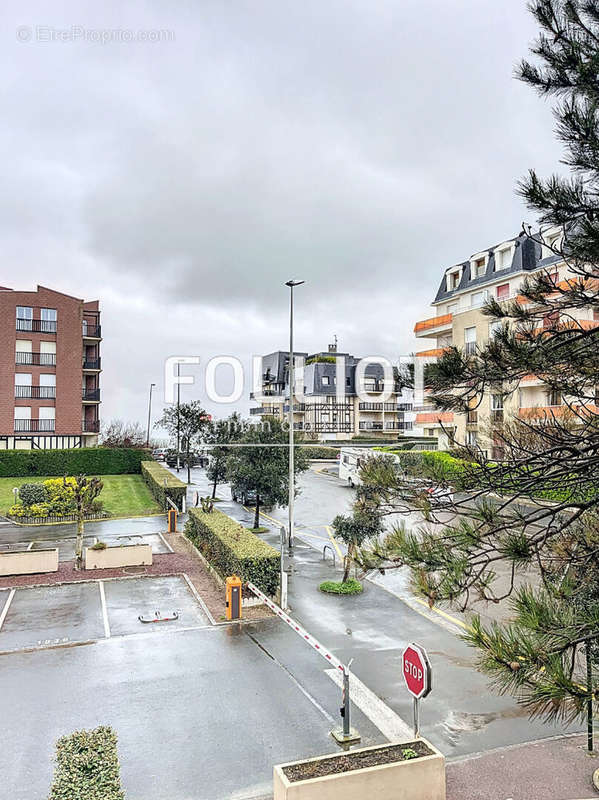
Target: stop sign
416,671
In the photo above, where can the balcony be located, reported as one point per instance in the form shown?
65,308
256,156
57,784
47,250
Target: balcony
90,426
433,326
91,331
470,348
270,411
35,392
435,417
472,418
436,352
297,407
91,396
35,359
370,426
36,325
34,425
93,364
497,415
398,426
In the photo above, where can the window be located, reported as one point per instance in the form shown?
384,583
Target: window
47,386
503,291
22,412
495,327
596,313
471,438
24,318
554,398
454,279
325,380
470,340
46,416
452,308
479,267
22,384
48,354
348,382
48,323
503,258
23,352
478,298
497,402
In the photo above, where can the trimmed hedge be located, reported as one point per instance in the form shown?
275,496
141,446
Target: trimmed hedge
87,767
313,452
154,474
76,461
233,550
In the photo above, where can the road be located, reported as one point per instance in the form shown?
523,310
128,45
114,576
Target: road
462,715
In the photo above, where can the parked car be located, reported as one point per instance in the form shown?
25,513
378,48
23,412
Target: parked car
195,459
159,453
247,497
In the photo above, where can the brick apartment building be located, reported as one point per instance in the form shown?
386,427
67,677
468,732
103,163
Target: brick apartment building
49,370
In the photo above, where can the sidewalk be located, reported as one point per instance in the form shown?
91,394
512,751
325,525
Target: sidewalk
558,768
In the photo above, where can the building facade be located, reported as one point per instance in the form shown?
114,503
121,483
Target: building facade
319,413
497,272
50,369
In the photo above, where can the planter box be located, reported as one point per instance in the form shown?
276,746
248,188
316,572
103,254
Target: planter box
126,555
28,562
420,778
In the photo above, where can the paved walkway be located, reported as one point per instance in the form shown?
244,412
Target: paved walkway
551,769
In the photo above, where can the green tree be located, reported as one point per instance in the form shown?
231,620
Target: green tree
262,464
354,531
547,655
219,435
188,422
85,492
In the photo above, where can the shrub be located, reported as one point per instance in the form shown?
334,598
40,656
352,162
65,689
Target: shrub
155,475
99,546
30,493
87,767
61,495
313,452
77,461
335,587
233,550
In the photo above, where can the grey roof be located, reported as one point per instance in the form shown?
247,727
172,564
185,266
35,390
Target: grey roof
527,257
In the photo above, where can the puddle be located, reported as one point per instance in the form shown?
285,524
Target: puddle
457,723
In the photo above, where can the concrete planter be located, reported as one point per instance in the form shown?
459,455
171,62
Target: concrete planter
127,555
29,562
420,778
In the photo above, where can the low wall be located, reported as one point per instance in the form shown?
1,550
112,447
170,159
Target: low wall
126,555
28,562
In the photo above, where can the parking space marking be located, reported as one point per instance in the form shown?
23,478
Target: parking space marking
334,541
104,610
11,594
386,720
170,549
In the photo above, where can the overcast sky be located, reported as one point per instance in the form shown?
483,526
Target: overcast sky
362,146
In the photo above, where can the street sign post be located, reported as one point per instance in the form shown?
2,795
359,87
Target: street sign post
417,675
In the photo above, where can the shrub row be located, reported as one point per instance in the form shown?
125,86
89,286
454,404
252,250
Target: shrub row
233,550
155,475
315,452
87,767
76,461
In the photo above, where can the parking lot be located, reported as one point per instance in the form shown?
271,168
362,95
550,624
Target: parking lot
74,613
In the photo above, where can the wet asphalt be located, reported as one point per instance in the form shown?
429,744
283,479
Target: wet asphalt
204,713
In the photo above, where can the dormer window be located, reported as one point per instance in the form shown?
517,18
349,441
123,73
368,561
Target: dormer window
503,257
480,267
454,279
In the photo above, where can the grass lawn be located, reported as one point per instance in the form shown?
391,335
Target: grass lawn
122,495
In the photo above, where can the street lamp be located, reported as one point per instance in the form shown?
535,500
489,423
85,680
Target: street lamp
149,415
291,284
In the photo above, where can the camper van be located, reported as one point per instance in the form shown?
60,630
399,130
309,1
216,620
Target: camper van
350,462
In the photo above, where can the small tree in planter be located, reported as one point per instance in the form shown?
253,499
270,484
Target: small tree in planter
85,491
354,531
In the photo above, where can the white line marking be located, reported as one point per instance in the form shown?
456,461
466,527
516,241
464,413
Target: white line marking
6,607
170,549
104,610
195,593
386,720
422,610
30,545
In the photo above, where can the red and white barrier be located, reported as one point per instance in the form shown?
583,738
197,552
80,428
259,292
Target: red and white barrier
298,628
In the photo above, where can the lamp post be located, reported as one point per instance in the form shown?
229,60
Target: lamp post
149,415
291,284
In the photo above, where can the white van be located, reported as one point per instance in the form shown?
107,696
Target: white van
350,461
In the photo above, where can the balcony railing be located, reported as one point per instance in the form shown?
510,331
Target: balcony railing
93,395
371,426
296,407
91,363
470,348
434,417
398,426
497,415
472,417
34,425
269,411
91,330
35,359
36,325
36,392
90,426
431,324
